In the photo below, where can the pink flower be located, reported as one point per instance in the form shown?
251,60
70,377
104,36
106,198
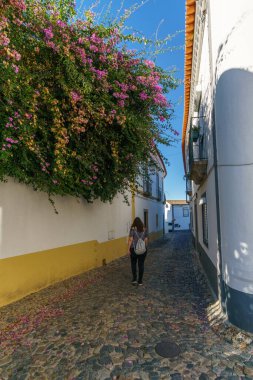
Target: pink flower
94,48
95,39
150,64
61,23
120,95
160,100
162,118
20,4
75,96
99,73
4,40
157,88
123,86
120,56
143,95
10,140
52,45
48,33
89,61
15,68
121,103
18,22
141,79
16,55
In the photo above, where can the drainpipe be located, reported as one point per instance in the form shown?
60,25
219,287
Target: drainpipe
221,291
172,217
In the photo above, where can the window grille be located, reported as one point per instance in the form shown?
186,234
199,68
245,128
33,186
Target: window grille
204,220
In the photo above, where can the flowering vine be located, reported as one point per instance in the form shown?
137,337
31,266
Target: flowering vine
80,112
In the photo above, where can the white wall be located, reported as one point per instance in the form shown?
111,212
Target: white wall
151,203
154,208
29,224
183,221
234,114
226,78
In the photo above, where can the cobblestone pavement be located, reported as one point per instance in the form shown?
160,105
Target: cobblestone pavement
98,326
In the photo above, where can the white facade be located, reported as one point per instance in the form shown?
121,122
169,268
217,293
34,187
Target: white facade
222,98
150,198
29,223
177,216
39,247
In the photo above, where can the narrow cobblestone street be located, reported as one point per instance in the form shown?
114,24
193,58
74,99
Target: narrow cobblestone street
98,326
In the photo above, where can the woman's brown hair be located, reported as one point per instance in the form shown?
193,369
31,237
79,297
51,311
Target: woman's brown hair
137,223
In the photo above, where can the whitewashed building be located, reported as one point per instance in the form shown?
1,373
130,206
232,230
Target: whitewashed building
150,199
177,215
39,247
218,147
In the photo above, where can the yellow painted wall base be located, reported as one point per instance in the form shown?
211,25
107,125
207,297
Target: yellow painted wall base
26,274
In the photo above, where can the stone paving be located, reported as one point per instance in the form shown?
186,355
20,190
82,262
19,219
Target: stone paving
97,326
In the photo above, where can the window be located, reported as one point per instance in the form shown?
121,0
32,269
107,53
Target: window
185,211
146,219
147,184
204,219
157,184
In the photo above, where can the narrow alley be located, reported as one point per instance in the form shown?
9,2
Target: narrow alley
98,326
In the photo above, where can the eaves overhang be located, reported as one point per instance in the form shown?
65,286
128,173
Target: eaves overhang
190,6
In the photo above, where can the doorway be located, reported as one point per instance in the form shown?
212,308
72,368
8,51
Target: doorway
146,219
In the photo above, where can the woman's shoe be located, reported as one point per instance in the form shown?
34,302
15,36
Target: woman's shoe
134,282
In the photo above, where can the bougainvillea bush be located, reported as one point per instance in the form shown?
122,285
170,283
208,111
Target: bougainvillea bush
79,112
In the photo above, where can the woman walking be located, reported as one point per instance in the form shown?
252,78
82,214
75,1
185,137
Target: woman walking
137,231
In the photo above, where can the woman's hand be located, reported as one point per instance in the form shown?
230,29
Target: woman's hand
130,240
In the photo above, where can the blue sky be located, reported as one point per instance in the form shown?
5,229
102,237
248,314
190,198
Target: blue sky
164,17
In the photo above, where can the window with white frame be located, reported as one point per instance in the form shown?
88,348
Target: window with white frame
185,212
